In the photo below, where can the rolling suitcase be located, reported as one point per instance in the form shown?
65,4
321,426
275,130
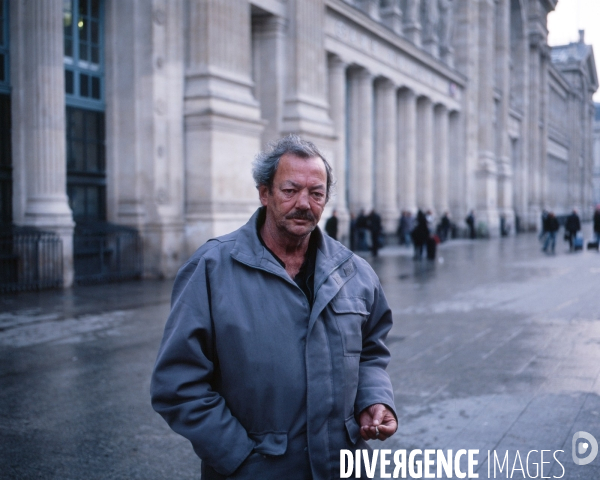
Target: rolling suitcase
578,243
592,246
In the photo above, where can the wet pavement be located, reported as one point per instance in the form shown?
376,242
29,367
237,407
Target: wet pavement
495,347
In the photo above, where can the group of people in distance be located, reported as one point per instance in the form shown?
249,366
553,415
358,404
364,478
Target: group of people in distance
366,231
551,225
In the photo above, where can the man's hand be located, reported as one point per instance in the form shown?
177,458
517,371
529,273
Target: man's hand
377,421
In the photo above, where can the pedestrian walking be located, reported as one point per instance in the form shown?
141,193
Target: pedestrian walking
331,226
273,357
444,227
374,223
420,234
405,226
470,221
551,226
572,226
362,228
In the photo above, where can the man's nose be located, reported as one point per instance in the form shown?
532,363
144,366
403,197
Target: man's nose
303,200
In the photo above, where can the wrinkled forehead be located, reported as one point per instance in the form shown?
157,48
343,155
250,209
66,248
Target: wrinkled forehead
293,168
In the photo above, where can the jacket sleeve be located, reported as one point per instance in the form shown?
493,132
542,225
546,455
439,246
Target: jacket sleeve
374,384
181,386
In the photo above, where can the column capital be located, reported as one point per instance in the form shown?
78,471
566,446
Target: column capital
441,108
335,61
425,100
364,74
407,93
385,83
270,23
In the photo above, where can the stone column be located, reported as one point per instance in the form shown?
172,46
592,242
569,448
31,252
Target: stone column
391,14
337,106
306,109
128,110
412,26
441,173
145,140
503,147
533,131
542,194
268,33
457,166
221,120
386,187
430,28
425,154
407,150
589,158
361,141
486,173
39,130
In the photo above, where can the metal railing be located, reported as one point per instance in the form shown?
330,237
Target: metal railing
104,252
30,259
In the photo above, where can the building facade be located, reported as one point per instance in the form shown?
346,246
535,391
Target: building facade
597,155
145,115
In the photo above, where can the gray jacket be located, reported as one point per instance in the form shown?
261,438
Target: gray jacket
257,381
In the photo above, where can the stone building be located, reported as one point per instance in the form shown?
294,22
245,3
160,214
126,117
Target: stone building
596,181
570,161
143,116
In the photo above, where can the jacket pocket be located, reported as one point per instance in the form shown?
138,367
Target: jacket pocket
270,443
353,429
350,314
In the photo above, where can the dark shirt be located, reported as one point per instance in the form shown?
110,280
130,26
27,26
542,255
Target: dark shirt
573,224
305,278
551,224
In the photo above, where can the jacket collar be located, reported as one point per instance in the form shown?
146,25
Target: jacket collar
249,250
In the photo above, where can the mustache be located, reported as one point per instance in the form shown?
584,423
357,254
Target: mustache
301,215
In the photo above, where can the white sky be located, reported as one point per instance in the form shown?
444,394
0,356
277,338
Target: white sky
571,16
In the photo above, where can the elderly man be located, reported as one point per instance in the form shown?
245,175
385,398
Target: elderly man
273,357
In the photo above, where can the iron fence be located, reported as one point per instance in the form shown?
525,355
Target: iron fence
104,252
30,259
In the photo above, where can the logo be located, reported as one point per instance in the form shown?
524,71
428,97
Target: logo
583,447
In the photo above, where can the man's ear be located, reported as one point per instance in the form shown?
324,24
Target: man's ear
263,193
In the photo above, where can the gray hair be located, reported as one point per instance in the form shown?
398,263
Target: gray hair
265,164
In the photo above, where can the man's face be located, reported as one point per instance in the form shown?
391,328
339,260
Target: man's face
298,196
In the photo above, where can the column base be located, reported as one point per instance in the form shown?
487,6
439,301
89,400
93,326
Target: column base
52,214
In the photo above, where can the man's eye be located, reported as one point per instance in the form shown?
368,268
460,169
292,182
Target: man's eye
318,195
288,191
